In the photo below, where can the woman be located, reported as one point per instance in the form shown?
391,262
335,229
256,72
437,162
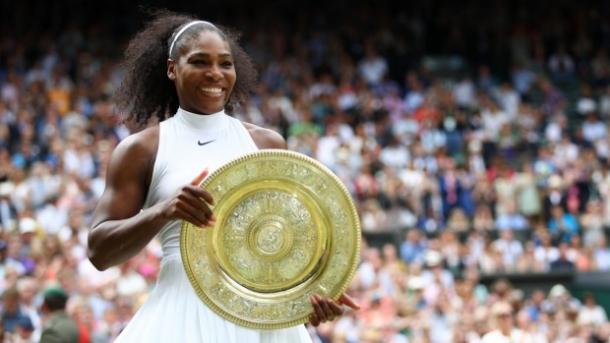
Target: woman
154,175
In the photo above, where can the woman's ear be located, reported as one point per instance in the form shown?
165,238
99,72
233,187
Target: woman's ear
171,69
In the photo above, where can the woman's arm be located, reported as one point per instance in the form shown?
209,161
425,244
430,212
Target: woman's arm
120,227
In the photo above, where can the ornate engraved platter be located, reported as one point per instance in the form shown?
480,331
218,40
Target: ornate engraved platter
286,228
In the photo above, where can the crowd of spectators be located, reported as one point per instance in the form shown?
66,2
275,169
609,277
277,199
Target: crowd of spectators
489,152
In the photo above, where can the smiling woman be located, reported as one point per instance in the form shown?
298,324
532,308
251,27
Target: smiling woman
145,93
154,175
204,73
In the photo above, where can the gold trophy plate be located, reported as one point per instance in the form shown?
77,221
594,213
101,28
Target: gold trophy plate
286,228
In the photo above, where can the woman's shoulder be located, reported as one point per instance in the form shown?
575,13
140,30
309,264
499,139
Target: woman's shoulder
265,138
142,141
139,145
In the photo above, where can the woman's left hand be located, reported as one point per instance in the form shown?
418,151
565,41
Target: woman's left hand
326,309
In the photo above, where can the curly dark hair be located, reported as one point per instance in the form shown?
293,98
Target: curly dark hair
146,92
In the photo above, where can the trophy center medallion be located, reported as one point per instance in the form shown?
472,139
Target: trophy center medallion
270,238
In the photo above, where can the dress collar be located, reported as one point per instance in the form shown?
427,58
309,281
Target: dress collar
205,122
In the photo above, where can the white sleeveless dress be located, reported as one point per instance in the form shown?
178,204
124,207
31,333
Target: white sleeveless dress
173,313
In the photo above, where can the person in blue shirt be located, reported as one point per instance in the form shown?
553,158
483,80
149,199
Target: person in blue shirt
563,225
413,248
11,311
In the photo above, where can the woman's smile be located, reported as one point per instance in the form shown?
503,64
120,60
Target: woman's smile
214,92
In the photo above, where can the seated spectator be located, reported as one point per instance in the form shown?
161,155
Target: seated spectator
601,254
483,219
413,248
528,196
593,128
511,219
561,65
591,313
373,67
546,252
534,306
509,247
527,262
458,221
562,263
563,224
12,313
504,328
592,222
560,300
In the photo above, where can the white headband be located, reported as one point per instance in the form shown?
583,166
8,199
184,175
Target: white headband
184,28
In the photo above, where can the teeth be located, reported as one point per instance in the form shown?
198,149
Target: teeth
212,90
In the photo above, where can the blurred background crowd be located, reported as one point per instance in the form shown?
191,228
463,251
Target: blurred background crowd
475,132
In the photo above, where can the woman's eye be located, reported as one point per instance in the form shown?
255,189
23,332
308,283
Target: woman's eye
227,64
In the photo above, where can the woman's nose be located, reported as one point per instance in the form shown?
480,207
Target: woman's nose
214,73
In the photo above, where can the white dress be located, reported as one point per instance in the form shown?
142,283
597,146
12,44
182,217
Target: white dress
188,143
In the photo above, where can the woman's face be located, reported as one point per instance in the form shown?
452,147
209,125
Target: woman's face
204,74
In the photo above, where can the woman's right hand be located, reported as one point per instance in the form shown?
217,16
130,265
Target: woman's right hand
191,203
